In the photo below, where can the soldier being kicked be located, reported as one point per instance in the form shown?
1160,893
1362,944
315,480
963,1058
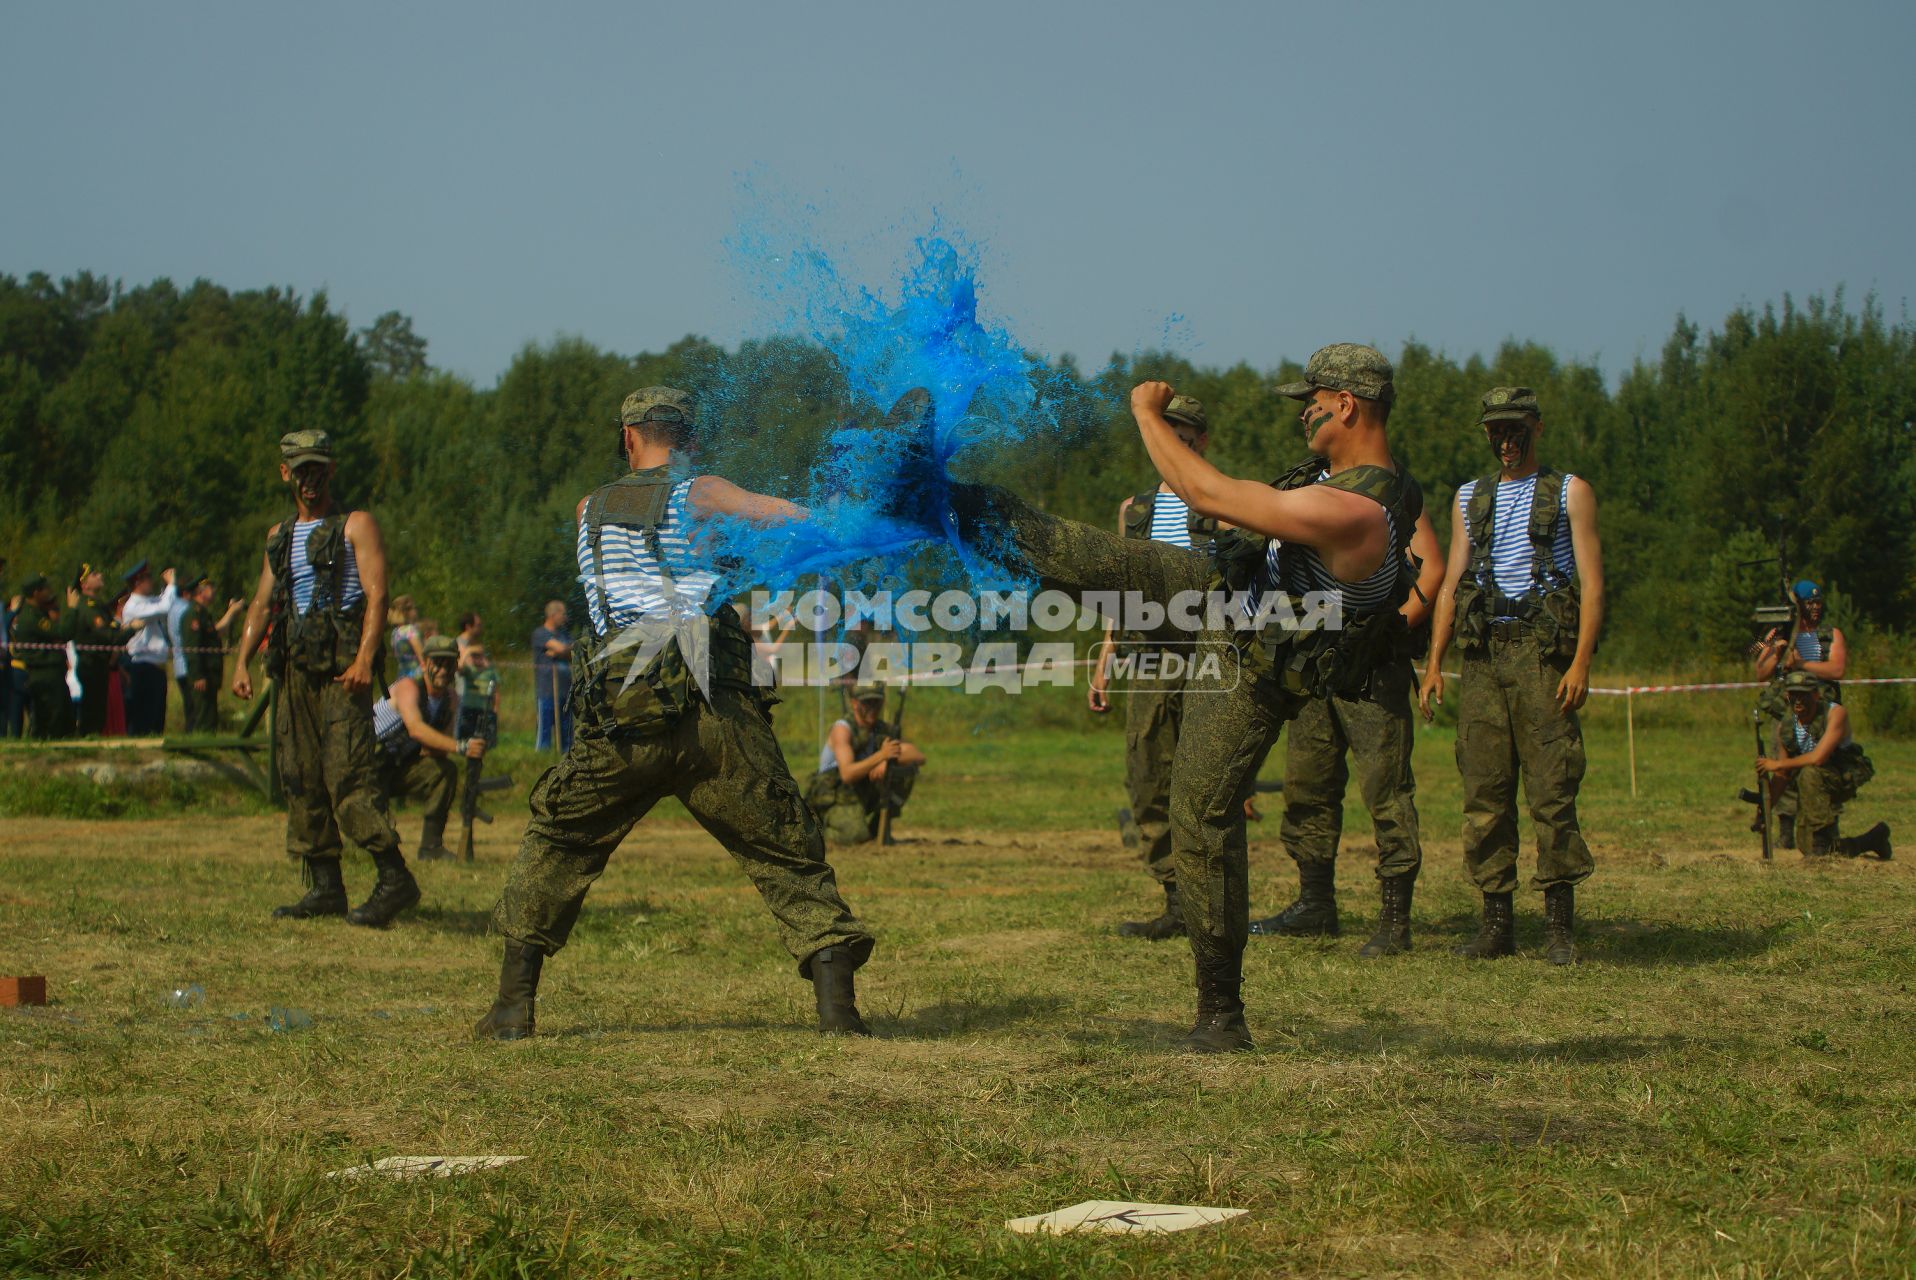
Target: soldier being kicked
665,731
322,584
1153,710
412,724
1815,750
1376,728
863,758
1524,593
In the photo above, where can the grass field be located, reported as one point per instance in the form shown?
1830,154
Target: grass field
1722,1087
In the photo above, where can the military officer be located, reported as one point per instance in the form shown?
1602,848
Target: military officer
202,637
1523,596
862,761
1816,750
322,585
40,636
97,638
414,724
677,726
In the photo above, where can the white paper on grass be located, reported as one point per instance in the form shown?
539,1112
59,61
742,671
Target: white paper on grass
423,1166
1122,1216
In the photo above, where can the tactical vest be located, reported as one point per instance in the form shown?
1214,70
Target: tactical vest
1553,608
324,640
1137,524
1326,663
605,700
1847,762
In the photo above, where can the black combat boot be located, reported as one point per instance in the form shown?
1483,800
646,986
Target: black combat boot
1314,914
1786,830
326,895
432,843
1559,914
837,1001
1822,843
1393,924
1495,937
1220,1011
393,892
1168,925
1874,841
511,1015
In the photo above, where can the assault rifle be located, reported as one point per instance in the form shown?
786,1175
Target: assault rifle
484,723
885,789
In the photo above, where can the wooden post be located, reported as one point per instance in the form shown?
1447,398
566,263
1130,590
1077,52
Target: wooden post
1630,720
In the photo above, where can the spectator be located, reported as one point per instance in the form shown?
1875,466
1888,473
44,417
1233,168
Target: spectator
471,627
13,697
552,677
409,657
478,694
148,654
204,651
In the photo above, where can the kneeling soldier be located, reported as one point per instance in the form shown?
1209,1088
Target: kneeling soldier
412,723
864,762
1814,747
651,724
1524,589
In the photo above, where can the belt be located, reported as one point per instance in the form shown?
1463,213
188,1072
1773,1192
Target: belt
1510,628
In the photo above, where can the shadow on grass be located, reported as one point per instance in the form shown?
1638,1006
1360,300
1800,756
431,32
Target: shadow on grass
951,1018
596,919
1620,940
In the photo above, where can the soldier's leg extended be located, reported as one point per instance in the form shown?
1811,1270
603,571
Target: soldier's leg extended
349,760
1152,717
1550,751
1315,776
1381,729
1227,731
312,836
1487,765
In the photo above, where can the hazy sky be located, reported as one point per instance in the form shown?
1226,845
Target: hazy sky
1279,175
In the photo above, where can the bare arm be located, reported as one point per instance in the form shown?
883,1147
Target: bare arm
1430,571
255,628
405,696
1769,651
1832,667
716,496
369,550
1431,692
1835,733
1581,502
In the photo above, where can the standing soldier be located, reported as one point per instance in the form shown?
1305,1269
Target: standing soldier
1524,594
202,642
40,636
656,721
323,584
98,638
1814,748
1376,727
414,724
1153,709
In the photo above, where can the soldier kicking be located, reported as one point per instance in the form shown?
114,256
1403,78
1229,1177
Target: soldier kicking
663,731
322,585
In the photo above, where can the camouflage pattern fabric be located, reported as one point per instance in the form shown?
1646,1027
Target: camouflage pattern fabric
305,445
1231,716
1821,793
848,811
724,765
1375,731
329,768
429,780
1345,366
1509,404
1153,715
1507,720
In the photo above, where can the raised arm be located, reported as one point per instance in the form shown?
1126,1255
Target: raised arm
716,496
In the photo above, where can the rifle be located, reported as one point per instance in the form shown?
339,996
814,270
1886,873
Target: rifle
484,723
1762,784
884,791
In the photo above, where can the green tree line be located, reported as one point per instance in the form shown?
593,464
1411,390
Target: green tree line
143,423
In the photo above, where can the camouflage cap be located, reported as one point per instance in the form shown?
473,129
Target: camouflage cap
1345,366
437,647
1508,404
1802,682
657,404
1189,410
299,447
870,691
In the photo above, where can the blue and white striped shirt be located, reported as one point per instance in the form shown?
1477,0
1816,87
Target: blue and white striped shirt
1371,595
1170,520
349,592
1810,647
1510,533
634,588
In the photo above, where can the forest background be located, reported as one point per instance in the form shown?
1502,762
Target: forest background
143,423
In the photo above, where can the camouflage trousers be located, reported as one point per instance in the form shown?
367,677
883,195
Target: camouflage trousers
1232,709
848,812
1376,732
329,769
1508,722
1153,715
1822,791
724,765
430,780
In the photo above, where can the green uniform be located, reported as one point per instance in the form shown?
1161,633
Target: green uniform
849,811
661,735
328,759
1376,731
204,662
1823,790
49,701
97,635
408,771
1153,710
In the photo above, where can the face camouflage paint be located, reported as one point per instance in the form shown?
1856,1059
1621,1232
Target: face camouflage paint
1506,437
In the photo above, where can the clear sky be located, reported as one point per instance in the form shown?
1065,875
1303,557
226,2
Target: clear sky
1279,175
